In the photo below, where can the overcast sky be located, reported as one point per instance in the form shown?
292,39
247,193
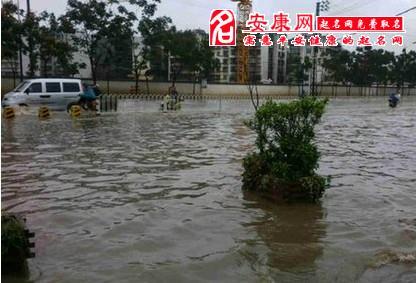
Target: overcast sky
190,14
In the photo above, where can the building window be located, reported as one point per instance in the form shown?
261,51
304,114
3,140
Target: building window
53,87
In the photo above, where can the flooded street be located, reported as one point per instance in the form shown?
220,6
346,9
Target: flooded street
144,196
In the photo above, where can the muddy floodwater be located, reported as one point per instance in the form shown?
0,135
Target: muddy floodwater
144,196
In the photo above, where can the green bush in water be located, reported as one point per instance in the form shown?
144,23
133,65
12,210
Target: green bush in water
284,166
14,244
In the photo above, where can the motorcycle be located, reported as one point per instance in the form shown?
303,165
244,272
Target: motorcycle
393,100
88,104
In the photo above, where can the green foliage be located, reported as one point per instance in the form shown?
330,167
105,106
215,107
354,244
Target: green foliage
338,62
14,244
50,43
287,157
189,50
366,66
11,29
403,68
93,21
298,69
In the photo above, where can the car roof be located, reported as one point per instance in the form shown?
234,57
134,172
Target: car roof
53,80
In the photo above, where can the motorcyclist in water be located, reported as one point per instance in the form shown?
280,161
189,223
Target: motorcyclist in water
88,100
394,98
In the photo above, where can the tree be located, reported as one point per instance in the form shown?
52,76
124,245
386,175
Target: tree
366,66
403,68
105,58
11,31
188,51
119,33
298,71
337,62
380,63
156,35
50,45
140,59
191,51
96,19
191,47
411,75
53,46
31,34
208,61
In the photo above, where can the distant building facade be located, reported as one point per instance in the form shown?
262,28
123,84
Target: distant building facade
267,64
227,70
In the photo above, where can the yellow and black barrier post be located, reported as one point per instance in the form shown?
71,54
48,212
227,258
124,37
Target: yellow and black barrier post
8,112
75,111
44,112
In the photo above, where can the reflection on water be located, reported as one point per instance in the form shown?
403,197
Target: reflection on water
292,233
156,197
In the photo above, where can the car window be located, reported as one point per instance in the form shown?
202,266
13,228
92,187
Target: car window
71,87
22,86
53,87
35,88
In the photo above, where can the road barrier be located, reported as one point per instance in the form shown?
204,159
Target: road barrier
108,103
151,97
44,112
8,112
75,111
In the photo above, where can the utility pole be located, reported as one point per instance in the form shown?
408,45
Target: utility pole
320,6
29,38
20,46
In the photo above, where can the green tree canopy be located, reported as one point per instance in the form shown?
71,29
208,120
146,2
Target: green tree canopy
189,49
94,20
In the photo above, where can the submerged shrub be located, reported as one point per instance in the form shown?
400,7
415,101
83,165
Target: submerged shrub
14,244
287,157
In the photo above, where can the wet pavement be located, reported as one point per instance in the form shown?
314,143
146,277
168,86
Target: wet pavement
144,196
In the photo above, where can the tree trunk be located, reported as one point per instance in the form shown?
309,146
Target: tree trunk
174,78
14,79
194,84
93,71
147,85
108,82
32,65
136,81
44,67
32,58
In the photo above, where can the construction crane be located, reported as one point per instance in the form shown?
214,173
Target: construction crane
244,10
